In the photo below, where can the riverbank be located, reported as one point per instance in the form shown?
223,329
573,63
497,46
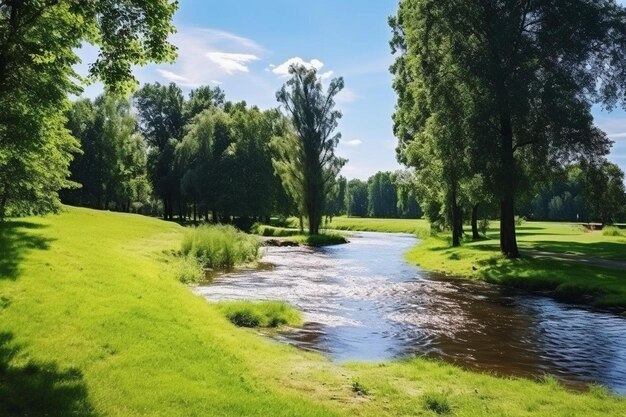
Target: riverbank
94,322
587,280
568,279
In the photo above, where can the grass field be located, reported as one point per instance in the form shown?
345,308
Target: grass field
93,322
378,225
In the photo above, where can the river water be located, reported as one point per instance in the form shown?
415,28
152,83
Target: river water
362,301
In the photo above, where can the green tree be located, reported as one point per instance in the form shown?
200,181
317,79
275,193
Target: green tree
357,198
306,159
531,71
160,111
382,196
604,191
38,44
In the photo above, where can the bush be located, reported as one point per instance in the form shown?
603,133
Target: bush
260,313
322,239
265,230
437,403
519,220
612,231
483,226
189,270
220,246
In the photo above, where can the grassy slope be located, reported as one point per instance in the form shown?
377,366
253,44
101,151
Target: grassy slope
92,322
570,280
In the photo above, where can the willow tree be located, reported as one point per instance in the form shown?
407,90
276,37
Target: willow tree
535,67
305,159
39,41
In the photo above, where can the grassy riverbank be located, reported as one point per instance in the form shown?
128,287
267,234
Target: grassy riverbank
93,322
568,279
414,226
295,235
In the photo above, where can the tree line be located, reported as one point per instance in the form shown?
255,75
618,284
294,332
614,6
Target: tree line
494,98
201,157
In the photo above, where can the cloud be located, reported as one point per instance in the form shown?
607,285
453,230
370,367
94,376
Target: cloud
345,96
231,62
209,56
617,135
353,142
283,69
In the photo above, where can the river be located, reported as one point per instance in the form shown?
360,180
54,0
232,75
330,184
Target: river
362,301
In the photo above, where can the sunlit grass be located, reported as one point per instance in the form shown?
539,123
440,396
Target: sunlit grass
260,313
94,323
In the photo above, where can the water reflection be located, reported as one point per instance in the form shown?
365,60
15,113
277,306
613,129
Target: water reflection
361,301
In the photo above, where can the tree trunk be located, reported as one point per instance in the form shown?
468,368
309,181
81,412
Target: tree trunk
301,224
475,234
214,216
456,230
508,241
164,208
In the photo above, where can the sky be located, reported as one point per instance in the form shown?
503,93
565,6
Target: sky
246,46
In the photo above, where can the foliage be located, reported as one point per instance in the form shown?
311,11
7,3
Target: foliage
305,156
436,402
111,167
38,44
382,196
357,198
612,231
260,313
219,246
479,89
604,191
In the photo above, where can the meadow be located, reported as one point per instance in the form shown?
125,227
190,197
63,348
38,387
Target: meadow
94,322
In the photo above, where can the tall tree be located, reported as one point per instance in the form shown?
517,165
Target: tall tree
604,191
38,44
160,111
382,196
306,159
357,198
534,66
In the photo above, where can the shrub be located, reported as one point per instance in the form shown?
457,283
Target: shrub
436,402
189,270
359,388
519,220
219,246
612,231
260,313
483,226
322,239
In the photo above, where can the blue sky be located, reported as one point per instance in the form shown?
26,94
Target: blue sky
245,47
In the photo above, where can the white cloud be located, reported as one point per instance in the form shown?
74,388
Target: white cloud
231,62
353,142
209,56
617,135
283,69
326,75
345,96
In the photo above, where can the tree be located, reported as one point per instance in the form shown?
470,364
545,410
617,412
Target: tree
405,184
160,110
306,159
357,198
604,191
532,70
382,196
337,202
111,168
38,43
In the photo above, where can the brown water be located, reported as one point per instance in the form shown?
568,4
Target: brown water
362,301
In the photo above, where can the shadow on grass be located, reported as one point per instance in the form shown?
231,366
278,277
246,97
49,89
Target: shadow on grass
17,238
37,388
606,250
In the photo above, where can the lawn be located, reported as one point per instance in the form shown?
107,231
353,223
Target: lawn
570,281
378,225
93,322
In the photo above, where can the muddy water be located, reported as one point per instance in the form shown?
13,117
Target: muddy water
362,301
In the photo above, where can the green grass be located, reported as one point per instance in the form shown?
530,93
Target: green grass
570,281
613,231
323,239
366,224
219,246
93,322
260,313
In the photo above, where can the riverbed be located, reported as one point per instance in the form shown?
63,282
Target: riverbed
363,301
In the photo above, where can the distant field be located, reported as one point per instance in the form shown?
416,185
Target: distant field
378,225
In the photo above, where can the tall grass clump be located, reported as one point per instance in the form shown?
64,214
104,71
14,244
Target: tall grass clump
220,246
612,231
260,313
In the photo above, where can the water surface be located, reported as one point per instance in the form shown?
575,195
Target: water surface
362,301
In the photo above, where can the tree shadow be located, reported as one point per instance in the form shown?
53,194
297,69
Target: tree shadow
29,388
603,250
17,239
